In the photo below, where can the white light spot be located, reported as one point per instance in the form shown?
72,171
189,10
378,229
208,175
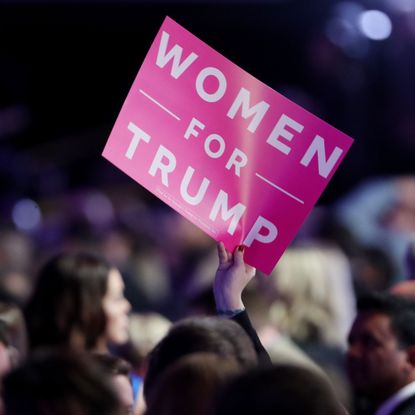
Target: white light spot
375,24
26,215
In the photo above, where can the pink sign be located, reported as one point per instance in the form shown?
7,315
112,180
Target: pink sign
236,158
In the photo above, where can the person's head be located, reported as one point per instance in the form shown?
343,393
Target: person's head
77,302
59,383
118,371
223,337
380,358
282,390
190,385
314,296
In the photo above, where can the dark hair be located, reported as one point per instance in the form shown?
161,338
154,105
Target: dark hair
400,310
67,298
223,337
282,390
59,383
190,385
112,365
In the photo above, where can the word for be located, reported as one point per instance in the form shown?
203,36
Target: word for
165,162
284,129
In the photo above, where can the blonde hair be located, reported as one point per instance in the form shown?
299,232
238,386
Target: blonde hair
315,298
146,330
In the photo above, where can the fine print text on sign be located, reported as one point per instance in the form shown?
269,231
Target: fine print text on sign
236,158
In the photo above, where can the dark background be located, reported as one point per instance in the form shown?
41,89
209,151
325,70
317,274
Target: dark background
66,68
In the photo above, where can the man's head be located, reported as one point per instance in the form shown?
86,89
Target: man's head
281,389
380,358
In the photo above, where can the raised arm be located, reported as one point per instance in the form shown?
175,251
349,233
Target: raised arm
232,276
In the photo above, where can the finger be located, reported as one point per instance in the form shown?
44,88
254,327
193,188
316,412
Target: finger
239,254
228,254
223,255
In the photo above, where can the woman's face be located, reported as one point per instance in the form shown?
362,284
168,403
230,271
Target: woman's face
116,308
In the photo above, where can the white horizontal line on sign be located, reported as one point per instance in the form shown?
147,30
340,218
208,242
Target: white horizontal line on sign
160,105
280,188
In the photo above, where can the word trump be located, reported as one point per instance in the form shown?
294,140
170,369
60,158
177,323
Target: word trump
164,163
236,158
283,131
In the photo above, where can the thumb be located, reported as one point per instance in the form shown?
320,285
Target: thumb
250,270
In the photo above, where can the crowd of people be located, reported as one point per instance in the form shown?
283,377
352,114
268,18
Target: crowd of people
330,331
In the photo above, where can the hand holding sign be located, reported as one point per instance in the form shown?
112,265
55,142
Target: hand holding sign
232,276
233,156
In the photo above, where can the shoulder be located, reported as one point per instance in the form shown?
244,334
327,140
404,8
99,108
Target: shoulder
407,407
